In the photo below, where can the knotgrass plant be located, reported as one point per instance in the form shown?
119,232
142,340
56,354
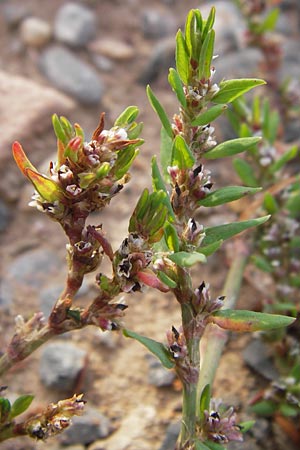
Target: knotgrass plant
164,239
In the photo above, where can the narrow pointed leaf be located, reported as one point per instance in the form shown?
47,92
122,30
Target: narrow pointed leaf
59,130
176,85
47,188
157,348
127,116
245,172
226,195
182,58
209,116
206,55
200,446
160,111
205,400
171,238
166,280
246,426
287,156
21,159
213,234
270,21
20,405
232,147
182,156
232,89
241,320
209,23
211,248
159,185
185,259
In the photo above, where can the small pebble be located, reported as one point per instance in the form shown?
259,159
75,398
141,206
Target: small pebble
112,48
35,32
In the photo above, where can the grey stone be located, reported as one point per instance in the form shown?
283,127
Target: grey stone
162,57
14,14
102,62
74,25
229,26
112,48
60,365
159,376
35,32
48,297
239,64
72,75
257,356
170,439
32,268
156,25
85,429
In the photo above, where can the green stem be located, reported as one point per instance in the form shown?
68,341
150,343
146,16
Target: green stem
216,338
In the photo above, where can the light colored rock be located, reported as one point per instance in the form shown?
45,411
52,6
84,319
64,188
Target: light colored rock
112,48
133,427
35,32
60,365
157,25
26,109
75,25
72,75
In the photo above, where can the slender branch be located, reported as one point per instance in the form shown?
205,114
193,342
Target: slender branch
214,336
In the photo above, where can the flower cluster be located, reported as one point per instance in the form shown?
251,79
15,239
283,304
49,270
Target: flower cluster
86,175
219,424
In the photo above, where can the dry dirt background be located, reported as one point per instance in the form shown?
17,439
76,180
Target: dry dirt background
116,376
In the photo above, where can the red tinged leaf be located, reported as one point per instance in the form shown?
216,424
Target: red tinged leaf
46,187
150,279
98,234
242,320
21,159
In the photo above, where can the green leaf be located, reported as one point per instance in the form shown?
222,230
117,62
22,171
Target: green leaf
176,85
182,157
270,203
185,259
211,248
262,263
166,144
289,410
246,426
213,234
232,147
160,111
159,185
193,29
5,408
242,320
20,405
157,348
214,446
269,23
47,188
206,54
200,446
124,161
182,58
209,23
209,116
226,195
59,130
127,116
245,172
264,408
286,157
232,89
171,238
205,400
166,280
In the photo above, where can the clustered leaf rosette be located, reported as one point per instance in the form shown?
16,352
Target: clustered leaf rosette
86,175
